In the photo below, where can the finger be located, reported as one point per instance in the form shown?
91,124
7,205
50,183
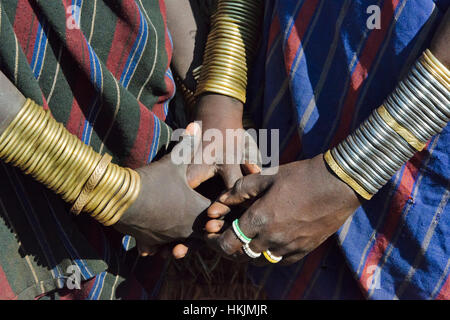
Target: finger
217,210
193,129
180,251
212,240
250,168
250,224
252,155
230,174
184,152
146,250
291,252
214,226
258,245
189,246
198,173
246,188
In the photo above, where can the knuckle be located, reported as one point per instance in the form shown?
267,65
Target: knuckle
278,239
238,186
257,219
226,246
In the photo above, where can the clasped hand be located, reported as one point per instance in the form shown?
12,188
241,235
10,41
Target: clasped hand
291,209
290,213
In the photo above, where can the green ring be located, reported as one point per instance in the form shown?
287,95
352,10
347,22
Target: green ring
236,224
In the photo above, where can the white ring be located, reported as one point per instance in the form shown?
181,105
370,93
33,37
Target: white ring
252,254
273,257
238,234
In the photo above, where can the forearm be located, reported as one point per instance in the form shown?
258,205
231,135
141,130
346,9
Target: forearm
11,101
189,29
418,109
440,45
33,141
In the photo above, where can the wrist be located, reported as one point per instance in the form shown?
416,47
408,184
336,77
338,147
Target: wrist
333,186
214,109
224,70
439,44
140,204
11,101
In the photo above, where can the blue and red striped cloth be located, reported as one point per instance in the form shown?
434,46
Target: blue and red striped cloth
319,74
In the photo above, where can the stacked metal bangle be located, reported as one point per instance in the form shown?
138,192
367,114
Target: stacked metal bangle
231,44
41,147
418,109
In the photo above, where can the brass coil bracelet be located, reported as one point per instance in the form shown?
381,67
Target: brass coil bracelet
41,147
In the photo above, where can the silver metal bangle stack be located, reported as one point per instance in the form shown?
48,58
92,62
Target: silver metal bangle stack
375,151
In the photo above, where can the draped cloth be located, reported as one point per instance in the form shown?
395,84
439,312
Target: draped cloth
321,70
102,68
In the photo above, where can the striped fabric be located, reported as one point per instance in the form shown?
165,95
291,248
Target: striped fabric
102,68
319,74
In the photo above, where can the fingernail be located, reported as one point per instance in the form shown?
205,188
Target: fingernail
180,256
223,197
196,128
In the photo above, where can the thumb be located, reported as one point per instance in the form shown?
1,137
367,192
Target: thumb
250,168
198,173
188,246
145,250
194,130
230,174
246,188
184,152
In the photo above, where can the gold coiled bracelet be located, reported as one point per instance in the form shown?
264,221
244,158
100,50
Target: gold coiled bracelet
41,147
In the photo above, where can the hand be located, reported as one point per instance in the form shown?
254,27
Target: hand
166,207
220,113
293,212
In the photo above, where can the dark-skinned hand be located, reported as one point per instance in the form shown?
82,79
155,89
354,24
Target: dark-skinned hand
167,207
220,113
291,213
295,210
